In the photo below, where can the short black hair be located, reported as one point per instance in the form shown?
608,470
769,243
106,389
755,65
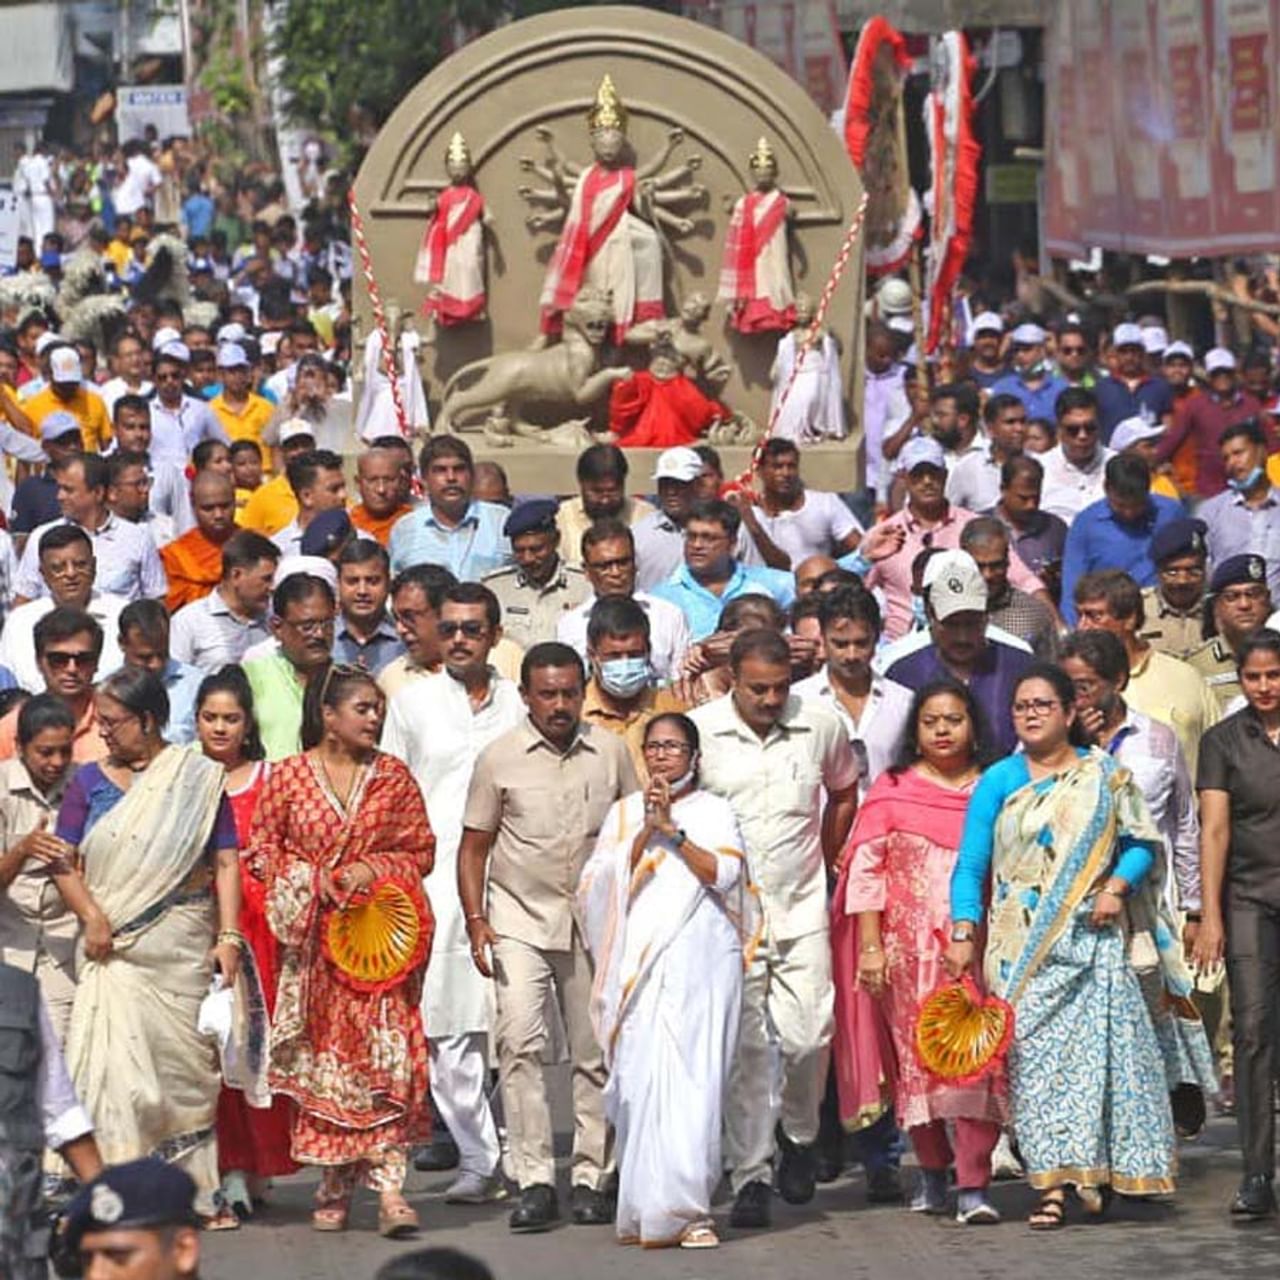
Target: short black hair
849,604
1249,427
616,616
205,450
149,617
608,529
245,446
716,511
778,446
433,580
445,447
734,615
998,404
93,467
1074,398
139,404
363,551
434,1264
471,593
63,535
1102,650
965,394
44,711
244,549
120,462
1021,464
759,642
296,588
550,653
602,462
64,622
1128,477
303,470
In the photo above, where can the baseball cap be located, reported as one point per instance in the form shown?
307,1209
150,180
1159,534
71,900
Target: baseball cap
1154,339
900,324
292,428
1179,348
894,297
921,451
955,584
1218,359
1029,335
987,322
164,335
231,355
64,366
175,351
270,343
1127,335
1131,430
681,463
47,339
56,425
232,332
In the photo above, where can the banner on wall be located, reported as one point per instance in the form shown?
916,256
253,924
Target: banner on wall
1160,130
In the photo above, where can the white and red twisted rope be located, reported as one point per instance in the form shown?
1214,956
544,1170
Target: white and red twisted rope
838,267
379,312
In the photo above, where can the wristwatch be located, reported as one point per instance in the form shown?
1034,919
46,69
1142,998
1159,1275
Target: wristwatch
962,932
678,837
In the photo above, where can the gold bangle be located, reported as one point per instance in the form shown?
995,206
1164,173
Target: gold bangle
230,935
869,948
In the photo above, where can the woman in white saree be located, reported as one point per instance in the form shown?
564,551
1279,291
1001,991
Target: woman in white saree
668,916
157,891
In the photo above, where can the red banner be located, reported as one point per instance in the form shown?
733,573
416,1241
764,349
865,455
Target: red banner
1161,133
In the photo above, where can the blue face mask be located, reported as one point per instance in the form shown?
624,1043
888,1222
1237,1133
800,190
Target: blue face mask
1243,486
624,677
919,619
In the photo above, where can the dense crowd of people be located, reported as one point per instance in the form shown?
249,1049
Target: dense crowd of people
320,807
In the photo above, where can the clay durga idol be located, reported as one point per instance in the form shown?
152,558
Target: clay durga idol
755,278
451,258
613,216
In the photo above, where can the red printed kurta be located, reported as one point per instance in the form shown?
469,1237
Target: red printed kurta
355,1063
250,1139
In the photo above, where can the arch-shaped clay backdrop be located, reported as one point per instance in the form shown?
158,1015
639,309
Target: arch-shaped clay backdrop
669,72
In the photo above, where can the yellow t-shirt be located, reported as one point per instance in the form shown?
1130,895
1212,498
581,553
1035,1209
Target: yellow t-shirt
249,423
270,508
86,406
1273,468
1165,488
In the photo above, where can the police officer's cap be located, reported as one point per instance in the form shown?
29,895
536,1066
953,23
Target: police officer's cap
1236,571
538,515
140,1194
1184,537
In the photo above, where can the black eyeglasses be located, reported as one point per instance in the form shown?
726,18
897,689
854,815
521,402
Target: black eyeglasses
60,658
472,630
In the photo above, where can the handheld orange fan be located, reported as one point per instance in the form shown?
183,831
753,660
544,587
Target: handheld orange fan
379,939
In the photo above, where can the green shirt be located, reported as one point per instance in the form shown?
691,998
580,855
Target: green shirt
277,703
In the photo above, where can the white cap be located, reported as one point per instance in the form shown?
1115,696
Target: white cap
64,366
893,297
1127,335
270,342
1217,359
175,351
231,355
233,332
316,566
920,451
955,584
986,322
47,340
1179,348
165,335
291,428
900,324
1154,339
1131,430
1029,335
681,463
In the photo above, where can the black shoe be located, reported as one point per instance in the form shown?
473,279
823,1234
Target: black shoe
1255,1199
591,1208
827,1166
796,1170
751,1207
439,1155
537,1209
884,1185
1189,1114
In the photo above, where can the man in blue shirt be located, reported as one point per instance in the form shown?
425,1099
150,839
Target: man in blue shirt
955,597
710,576
1032,380
1131,392
144,645
451,528
1116,532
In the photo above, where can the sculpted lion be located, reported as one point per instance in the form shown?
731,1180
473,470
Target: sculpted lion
567,373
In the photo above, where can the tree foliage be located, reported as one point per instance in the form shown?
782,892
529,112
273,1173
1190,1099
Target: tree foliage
346,66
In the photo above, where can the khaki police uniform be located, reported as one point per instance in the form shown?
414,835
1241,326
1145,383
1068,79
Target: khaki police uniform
531,614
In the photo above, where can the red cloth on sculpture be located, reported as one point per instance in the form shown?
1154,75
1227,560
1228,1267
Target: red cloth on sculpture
249,1139
651,413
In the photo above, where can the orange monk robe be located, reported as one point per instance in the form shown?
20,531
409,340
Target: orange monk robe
194,567
377,527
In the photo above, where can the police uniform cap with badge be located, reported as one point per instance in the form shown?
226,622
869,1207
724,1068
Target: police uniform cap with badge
1174,608
1215,660
143,1195
531,610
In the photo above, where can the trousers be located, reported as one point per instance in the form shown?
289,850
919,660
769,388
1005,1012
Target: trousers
526,977
786,992
1253,975
458,1077
971,1149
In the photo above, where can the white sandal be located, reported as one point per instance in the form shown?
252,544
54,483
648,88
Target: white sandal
702,1235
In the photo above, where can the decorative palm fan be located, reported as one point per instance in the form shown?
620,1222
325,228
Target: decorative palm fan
377,941
962,1035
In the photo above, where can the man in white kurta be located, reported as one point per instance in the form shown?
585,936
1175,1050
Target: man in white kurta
438,725
775,758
